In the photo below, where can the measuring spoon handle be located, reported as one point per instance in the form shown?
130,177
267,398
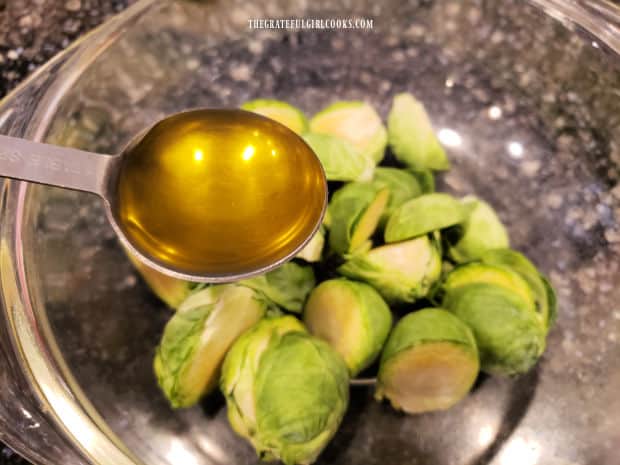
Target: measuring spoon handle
55,166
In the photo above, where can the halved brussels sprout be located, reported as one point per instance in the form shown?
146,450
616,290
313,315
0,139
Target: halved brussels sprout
341,160
286,391
402,272
430,362
287,286
474,273
509,333
544,294
195,340
313,250
282,112
482,231
356,122
352,317
403,186
425,214
170,290
411,135
355,211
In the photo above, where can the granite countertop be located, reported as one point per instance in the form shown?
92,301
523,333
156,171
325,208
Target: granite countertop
32,32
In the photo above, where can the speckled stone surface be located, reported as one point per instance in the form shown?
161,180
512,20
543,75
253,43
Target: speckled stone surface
33,31
530,113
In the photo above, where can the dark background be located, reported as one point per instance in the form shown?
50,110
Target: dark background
32,32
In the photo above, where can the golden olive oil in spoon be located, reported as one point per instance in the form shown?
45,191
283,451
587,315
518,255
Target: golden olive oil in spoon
204,195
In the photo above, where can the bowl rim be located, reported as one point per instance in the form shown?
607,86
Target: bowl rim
600,18
34,346
55,388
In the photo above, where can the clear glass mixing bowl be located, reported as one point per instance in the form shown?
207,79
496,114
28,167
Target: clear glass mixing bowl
525,95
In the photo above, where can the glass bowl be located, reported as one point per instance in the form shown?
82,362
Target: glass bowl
525,96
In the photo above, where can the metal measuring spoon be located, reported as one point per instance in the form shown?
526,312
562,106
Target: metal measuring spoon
198,195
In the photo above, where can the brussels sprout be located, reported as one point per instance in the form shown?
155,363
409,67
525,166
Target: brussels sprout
313,250
482,231
170,290
544,294
473,273
402,272
355,122
282,112
240,367
426,180
352,317
403,186
341,160
196,339
424,214
355,211
508,331
411,136
430,362
286,286
286,391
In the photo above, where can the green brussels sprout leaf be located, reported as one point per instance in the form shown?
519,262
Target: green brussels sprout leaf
341,160
552,302
355,211
402,272
509,334
352,317
355,122
195,340
403,186
282,112
482,231
430,362
426,180
287,286
425,214
411,135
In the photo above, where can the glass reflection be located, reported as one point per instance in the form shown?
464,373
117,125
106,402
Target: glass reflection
495,112
520,451
515,149
449,137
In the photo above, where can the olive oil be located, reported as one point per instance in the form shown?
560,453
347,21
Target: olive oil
220,192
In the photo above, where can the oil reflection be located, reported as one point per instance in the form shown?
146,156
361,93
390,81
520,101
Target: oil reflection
248,153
